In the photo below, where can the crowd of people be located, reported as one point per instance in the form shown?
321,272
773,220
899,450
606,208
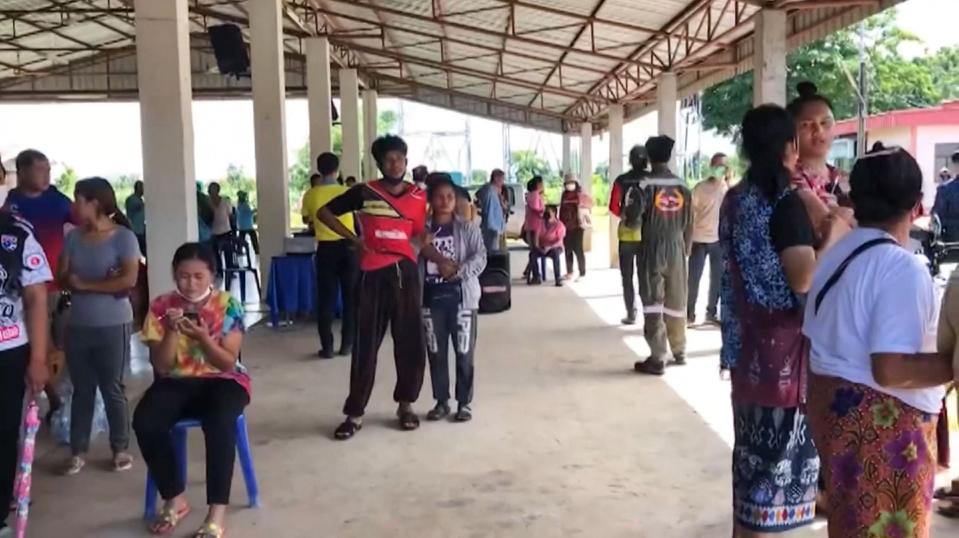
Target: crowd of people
834,337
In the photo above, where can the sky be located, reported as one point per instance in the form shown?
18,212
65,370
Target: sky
104,138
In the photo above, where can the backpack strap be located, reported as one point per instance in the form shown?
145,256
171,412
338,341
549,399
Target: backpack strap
845,264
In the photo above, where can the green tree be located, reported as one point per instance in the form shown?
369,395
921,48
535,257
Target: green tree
478,177
67,181
123,187
832,63
527,163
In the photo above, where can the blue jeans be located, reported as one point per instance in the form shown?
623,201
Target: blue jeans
491,240
697,262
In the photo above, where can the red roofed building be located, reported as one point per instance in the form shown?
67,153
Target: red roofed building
931,135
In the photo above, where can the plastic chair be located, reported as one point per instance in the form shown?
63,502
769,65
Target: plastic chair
233,250
179,441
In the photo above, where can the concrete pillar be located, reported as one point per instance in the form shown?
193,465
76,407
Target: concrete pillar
769,71
350,121
269,126
615,169
370,117
586,169
319,96
667,94
166,130
567,161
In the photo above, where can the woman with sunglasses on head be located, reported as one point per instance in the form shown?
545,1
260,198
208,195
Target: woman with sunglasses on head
876,383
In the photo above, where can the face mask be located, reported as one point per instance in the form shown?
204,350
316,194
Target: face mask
570,187
421,185
199,299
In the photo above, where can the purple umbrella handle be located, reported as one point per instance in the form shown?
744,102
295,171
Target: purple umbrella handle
21,488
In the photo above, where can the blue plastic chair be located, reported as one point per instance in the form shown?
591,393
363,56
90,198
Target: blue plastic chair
179,441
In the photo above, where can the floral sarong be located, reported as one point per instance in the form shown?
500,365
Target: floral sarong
878,460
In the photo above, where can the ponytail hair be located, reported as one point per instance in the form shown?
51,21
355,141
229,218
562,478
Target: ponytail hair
766,133
99,190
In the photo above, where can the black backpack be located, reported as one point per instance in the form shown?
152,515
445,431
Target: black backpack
495,285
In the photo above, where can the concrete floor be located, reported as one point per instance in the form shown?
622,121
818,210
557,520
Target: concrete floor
566,441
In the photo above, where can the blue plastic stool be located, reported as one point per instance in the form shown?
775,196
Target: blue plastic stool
179,441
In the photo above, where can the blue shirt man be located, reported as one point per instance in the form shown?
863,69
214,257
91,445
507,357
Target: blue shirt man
489,201
947,202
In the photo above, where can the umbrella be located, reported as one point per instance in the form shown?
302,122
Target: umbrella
21,488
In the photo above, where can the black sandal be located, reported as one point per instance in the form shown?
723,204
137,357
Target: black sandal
951,511
346,430
409,421
946,494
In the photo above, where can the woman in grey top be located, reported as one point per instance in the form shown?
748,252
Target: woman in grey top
99,266
451,295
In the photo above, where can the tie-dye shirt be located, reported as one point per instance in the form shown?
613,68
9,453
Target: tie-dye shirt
221,313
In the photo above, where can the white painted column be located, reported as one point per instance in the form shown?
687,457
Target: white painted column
319,96
370,116
350,121
586,169
667,94
615,169
769,71
567,160
166,131
269,127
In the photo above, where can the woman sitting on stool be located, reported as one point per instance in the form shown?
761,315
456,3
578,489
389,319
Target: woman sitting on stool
549,244
194,335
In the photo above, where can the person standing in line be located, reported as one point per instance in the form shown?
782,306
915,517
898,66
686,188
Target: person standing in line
50,214
450,304
23,348
946,206
820,185
336,263
707,199
223,223
948,343
246,221
769,258
489,200
137,213
99,265
533,226
628,203
574,209
204,222
392,217
877,381
667,234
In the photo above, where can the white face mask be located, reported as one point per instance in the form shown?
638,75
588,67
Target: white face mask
204,296
570,187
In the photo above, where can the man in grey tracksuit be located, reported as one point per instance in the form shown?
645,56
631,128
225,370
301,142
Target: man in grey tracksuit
451,300
667,233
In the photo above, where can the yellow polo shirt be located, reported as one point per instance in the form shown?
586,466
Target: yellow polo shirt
317,197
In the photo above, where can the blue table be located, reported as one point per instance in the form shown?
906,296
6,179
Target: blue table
292,287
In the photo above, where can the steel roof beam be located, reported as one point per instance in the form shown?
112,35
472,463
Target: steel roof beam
478,29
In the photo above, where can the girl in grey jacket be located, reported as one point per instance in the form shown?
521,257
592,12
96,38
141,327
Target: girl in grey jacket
451,297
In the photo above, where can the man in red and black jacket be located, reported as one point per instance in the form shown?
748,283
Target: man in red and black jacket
392,215
626,202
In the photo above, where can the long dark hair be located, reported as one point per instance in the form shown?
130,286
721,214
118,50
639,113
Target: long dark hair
99,190
766,132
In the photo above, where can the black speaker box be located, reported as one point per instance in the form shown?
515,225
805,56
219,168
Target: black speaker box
229,49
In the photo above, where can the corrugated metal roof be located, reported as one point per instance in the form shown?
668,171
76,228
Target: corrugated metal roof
544,63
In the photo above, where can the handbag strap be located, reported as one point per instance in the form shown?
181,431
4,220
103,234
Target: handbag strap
845,264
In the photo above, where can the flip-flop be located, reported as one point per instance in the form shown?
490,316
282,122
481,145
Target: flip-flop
210,530
346,430
951,511
409,421
946,494
169,518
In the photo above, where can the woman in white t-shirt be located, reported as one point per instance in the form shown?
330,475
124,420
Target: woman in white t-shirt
877,382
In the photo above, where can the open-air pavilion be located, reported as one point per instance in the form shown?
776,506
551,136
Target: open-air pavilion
567,441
